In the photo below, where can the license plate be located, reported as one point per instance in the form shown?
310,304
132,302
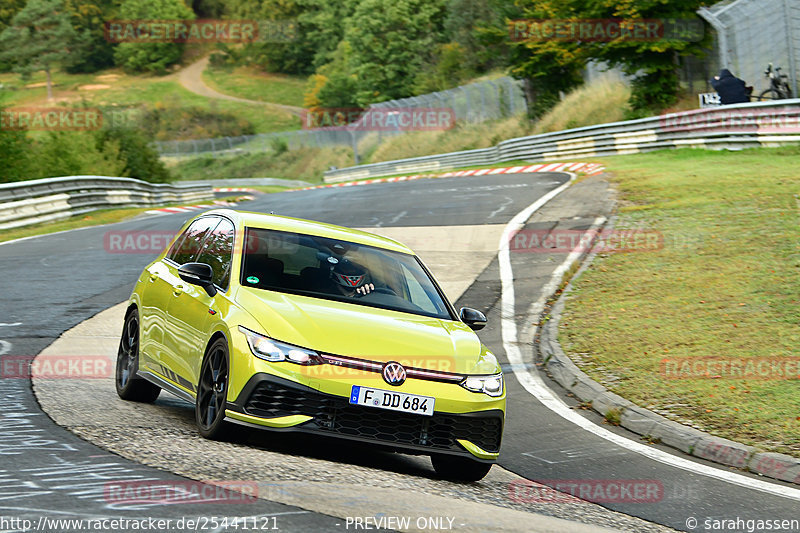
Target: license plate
394,401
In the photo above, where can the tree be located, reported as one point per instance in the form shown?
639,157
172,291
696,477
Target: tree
389,41
468,23
140,158
75,154
14,158
93,50
652,63
553,65
333,86
9,8
297,36
154,56
208,8
39,38
448,67
549,66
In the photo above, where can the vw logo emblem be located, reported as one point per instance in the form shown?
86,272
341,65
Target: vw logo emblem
394,373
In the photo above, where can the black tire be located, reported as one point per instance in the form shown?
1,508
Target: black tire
130,386
769,94
459,468
212,391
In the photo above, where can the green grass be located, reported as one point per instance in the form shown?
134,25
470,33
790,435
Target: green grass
128,90
95,218
15,92
162,93
305,164
252,84
602,102
725,284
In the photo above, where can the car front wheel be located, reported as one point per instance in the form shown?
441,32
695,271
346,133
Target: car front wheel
459,468
212,392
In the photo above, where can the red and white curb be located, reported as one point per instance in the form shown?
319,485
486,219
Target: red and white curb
590,169
234,189
189,208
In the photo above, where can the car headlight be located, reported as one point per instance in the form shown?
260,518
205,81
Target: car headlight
274,351
491,385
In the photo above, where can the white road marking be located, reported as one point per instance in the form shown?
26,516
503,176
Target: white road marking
5,347
533,383
502,207
10,324
398,217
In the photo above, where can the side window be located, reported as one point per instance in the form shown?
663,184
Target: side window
191,241
417,292
218,252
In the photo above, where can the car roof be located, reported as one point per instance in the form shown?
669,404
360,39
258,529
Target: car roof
309,227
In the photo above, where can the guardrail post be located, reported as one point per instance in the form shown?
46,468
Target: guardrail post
511,104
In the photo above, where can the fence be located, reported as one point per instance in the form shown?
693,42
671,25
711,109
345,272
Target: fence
475,102
29,202
727,127
753,33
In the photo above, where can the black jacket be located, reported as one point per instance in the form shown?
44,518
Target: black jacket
731,89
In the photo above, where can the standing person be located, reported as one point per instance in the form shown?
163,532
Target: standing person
731,89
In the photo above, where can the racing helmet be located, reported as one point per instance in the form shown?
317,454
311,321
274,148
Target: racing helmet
349,275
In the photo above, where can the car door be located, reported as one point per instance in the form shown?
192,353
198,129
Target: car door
153,302
192,312
186,252
157,281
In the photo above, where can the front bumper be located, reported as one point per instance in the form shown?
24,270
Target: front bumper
271,401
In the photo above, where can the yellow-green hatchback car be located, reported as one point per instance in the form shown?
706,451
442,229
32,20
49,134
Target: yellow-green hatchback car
282,323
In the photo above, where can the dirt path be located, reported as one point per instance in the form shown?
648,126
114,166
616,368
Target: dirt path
191,78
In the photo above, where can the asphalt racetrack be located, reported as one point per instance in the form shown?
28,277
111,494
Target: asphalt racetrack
54,283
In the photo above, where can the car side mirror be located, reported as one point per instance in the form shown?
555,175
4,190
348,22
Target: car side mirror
473,318
199,274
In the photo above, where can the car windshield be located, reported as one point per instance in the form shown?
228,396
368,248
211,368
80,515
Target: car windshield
339,270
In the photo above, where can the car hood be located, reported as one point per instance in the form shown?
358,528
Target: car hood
370,333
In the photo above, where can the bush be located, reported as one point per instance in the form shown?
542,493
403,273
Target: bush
56,154
140,159
171,122
14,159
75,154
278,145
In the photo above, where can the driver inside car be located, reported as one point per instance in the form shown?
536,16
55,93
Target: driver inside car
350,279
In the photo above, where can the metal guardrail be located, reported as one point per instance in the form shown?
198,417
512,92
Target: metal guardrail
29,202
727,127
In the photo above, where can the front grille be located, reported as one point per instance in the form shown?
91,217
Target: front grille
272,400
335,415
